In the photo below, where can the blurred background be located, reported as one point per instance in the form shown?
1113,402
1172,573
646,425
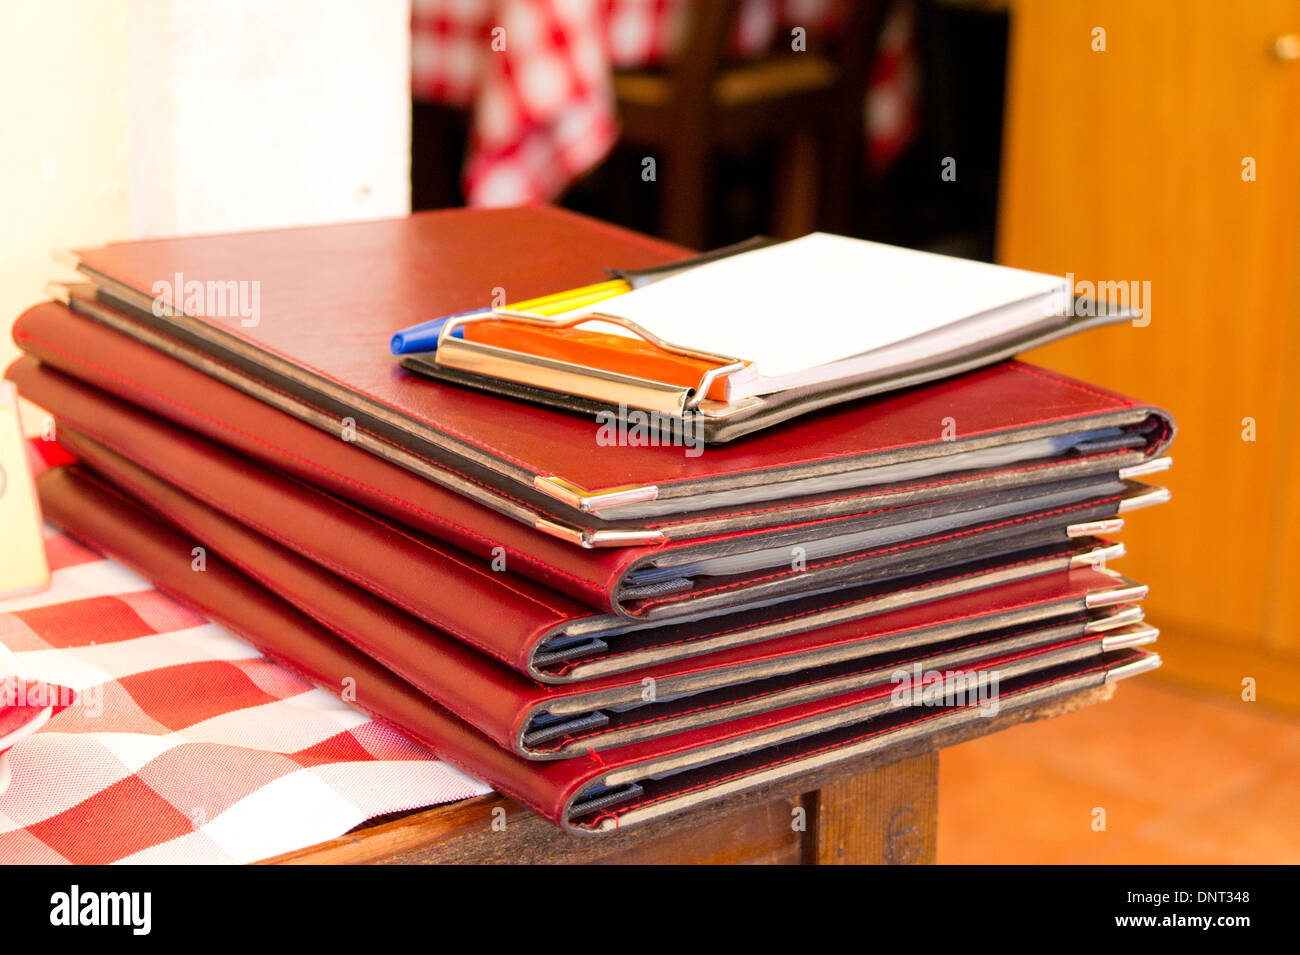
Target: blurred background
1116,140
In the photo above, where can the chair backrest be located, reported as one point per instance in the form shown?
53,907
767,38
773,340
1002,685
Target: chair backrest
704,52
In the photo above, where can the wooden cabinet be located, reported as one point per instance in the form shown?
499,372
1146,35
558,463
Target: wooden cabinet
1172,155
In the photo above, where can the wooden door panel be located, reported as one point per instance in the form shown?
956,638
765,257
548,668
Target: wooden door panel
1127,165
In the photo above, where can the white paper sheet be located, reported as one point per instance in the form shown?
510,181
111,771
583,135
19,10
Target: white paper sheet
823,298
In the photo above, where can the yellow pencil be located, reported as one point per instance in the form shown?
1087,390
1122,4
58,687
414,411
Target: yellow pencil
558,302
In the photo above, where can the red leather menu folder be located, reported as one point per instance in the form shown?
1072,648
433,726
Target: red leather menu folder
1085,610
628,785
604,578
330,297
525,626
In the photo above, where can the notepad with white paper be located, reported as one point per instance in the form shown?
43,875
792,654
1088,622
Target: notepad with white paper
824,308
741,340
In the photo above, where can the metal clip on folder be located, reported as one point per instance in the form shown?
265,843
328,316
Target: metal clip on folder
597,384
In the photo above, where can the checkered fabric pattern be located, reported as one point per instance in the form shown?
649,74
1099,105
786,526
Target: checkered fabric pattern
537,78
183,743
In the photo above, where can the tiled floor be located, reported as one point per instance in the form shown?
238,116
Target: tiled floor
1182,779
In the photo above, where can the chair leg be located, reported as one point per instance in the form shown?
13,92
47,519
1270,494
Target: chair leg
842,179
795,190
841,175
684,200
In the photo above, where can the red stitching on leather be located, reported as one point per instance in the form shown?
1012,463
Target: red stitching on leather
247,568
1116,401
263,346
886,550
533,561
1070,383
1020,655
297,400
378,437
910,487
433,745
440,426
569,665
621,810
498,579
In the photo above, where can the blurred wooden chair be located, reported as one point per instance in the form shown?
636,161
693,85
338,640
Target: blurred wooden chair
808,103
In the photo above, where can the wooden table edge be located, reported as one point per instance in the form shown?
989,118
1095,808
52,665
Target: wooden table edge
437,834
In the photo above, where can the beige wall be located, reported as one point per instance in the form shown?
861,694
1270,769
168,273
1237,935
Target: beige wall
63,149
129,118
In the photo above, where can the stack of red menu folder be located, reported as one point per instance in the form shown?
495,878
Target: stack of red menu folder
608,633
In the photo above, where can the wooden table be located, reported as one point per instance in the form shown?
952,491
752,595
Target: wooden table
882,808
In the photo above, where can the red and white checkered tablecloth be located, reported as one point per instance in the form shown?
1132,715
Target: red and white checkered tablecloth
537,75
183,744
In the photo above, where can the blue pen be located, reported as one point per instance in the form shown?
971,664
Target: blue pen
424,336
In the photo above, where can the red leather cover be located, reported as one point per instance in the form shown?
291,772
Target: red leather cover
501,614
119,527
92,352
498,613
501,703
172,390
332,296
675,525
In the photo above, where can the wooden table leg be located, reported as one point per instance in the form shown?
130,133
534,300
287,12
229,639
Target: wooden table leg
886,816
796,188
